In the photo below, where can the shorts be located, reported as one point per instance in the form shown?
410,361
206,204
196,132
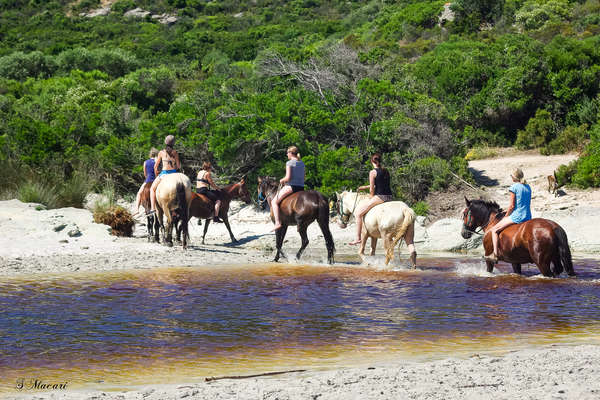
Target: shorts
296,188
384,197
166,172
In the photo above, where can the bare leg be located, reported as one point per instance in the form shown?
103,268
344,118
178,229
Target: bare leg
153,194
506,221
373,201
275,205
138,198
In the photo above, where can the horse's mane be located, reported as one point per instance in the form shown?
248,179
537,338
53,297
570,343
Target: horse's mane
487,207
269,183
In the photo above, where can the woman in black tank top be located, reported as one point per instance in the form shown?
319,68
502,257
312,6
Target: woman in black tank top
379,190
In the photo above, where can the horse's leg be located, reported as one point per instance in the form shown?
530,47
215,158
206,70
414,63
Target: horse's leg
150,226
373,245
388,243
363,243
304,237
279,236
169,229
206,223
516,268
177,224
542,259
323,222
226,222
490,266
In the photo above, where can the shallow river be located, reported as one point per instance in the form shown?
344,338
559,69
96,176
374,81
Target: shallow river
148,326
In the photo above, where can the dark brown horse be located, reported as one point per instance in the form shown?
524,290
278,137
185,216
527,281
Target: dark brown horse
152,222
301,209
203,208
539,241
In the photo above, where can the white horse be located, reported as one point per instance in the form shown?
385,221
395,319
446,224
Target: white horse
392,221
173,199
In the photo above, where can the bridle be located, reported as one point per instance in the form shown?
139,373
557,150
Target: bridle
340,207
467,225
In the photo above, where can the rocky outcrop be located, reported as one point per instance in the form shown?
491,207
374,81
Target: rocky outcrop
96,13
165,19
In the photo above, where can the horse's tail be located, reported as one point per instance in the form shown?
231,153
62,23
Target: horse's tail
409,219
323,220
182,210
564,252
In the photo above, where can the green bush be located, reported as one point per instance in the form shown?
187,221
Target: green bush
421,208
588,168
72,192
540,130
416,179
20,66
572,138
564,173
31,191
121,6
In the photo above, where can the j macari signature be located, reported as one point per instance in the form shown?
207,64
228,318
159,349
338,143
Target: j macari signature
39,384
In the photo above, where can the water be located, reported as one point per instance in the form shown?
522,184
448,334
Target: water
122,328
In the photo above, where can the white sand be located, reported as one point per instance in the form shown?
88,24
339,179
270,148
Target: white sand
29,244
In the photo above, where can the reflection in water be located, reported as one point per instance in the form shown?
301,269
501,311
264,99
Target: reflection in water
122,327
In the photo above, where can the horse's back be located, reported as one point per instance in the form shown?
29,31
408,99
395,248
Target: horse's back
166,192
305,204
386,215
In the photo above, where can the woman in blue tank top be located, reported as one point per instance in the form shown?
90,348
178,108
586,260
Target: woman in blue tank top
149,175
518,211
379,190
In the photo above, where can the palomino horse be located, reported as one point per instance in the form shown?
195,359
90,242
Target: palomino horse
173,198
392,221
539,241
151,219
202,207
301,209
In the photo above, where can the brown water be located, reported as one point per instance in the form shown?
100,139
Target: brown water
150,326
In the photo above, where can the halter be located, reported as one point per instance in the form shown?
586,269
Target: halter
341,210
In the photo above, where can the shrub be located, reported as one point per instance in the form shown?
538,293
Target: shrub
72,193
540,130
20,66
123,5
481,152
564,173
32,191
571,138
416,179
588,168
421,208
118,218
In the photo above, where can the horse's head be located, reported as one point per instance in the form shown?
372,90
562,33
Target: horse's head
343,209
267,186
242,191
477,214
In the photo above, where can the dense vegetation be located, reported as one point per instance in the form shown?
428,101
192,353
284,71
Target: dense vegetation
83,99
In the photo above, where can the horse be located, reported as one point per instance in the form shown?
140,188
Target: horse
203,208
173,198
301,209
392,221
151,220
539,241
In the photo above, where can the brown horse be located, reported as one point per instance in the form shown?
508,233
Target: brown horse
173,199
152,222
539,241
301,209
203,208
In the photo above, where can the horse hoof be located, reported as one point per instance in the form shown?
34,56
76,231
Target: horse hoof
169,244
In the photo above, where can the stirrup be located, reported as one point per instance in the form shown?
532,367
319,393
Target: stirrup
217,219
151,212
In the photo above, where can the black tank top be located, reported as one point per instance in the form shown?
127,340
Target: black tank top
382,182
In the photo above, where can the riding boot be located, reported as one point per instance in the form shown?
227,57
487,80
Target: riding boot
217,219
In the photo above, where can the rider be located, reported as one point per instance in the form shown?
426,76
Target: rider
518,211
295,173
203,183
379,190
149,174
170,164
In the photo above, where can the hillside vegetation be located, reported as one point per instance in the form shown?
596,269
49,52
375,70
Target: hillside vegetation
82,100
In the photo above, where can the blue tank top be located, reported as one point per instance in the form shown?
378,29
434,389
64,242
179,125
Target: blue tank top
522,211
149,167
